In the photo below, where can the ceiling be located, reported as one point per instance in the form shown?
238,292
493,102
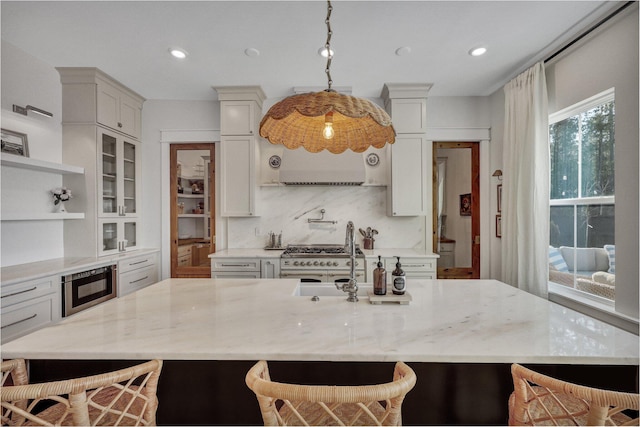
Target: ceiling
129,40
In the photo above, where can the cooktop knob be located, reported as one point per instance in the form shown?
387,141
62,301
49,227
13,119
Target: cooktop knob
316,263
295,263
335,263
322,263
308,262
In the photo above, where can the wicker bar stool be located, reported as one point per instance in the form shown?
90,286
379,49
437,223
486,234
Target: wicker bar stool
123,397
541,400
292,404
14,372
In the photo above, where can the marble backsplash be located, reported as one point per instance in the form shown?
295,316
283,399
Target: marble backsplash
287,209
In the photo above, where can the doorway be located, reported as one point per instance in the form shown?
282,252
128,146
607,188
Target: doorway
192,177
456,209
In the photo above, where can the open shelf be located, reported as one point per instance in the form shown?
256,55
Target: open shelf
41,216
38,165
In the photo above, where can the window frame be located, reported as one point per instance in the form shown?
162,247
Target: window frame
571,111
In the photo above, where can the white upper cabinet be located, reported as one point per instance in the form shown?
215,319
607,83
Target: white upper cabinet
240,114
238,118
91,96
409,171
100,132
119,175
405,194
117,110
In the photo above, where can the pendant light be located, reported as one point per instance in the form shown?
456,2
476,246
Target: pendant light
327,120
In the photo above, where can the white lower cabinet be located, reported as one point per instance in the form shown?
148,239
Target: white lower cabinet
414,268
255,268
136,273
30,305
235,268
270,268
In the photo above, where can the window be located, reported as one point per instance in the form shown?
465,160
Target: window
582,197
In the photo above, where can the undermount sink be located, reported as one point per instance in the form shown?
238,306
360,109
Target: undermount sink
310,289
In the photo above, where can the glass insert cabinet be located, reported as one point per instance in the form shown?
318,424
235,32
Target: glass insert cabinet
192,209
118,190
119,173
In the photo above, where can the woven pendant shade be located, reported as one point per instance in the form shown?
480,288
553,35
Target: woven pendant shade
299,121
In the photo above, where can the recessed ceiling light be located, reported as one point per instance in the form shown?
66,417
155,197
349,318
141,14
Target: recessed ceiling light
405,50
251,52
477,51
323,52
178,53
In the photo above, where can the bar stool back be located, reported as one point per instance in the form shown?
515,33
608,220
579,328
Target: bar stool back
123,397
292,404
541,400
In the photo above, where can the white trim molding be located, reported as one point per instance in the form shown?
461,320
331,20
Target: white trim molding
458,134
169,136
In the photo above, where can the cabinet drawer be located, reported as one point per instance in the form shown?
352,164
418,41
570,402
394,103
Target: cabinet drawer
185,250
28,316
235,275
23,291
235,264
137,279
431,275
412,264
131,264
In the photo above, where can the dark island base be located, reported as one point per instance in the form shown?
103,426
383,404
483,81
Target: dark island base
214,392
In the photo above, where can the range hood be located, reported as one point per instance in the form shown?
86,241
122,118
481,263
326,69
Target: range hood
299,167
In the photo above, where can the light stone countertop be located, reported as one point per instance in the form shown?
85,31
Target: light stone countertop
271,253
58,266
247,253
455,321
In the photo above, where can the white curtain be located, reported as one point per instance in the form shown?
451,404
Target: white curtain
525,192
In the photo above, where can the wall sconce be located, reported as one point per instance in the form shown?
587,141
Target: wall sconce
25,110
498,173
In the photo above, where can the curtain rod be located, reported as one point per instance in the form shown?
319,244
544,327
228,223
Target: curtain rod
589,31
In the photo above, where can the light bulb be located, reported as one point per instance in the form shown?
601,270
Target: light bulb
328,131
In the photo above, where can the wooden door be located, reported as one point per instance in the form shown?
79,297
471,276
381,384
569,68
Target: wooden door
456,209
192,209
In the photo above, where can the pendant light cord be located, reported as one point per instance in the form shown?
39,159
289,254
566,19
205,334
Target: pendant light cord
327,46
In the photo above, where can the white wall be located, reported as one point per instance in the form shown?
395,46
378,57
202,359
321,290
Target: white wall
29,81
610,59
607,58
159,116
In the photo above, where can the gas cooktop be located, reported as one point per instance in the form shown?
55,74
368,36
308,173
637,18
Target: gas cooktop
318,251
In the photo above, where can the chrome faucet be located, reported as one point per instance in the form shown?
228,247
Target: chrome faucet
350,247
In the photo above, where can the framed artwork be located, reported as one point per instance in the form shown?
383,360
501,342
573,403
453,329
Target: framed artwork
499,198
14,143
498,225
465,204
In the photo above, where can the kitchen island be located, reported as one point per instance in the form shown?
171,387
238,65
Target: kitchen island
474,326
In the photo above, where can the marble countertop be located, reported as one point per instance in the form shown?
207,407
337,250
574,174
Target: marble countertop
57,266
247,253
270,253
455,321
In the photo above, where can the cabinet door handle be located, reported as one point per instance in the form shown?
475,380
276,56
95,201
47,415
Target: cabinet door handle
19,292
139,262
119,124
19,321
235,265
139,280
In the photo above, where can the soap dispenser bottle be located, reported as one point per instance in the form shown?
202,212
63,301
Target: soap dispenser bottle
399,280
380,279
